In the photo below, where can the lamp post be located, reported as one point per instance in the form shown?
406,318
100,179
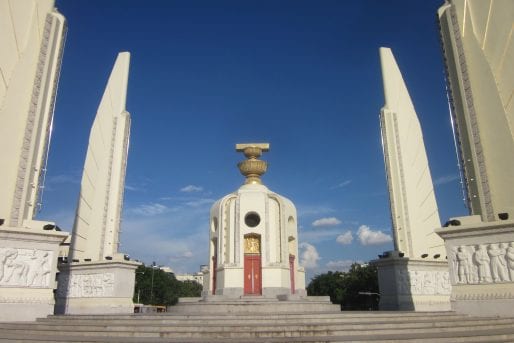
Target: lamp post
138,287
151,289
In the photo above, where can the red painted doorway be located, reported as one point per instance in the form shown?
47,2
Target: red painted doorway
252,265
253,277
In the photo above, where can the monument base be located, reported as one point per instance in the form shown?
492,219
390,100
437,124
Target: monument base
254,304
413,285
101,287
28,264
481,261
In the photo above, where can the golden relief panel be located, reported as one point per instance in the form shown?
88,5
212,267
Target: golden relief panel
252,245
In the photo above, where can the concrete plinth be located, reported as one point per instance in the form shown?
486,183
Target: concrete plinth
254,304
28,264
481,261
407,284
103,287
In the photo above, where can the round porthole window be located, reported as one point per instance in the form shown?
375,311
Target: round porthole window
252,219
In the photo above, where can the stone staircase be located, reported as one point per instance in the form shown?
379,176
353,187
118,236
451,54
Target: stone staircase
263,327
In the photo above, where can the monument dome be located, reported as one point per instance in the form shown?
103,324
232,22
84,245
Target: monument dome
253,245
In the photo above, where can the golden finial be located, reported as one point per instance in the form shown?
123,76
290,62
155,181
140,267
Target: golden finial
252,168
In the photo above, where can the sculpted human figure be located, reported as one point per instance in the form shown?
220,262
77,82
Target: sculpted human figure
498,264
40,269
3,261
17,268
463,265
510,260
482,260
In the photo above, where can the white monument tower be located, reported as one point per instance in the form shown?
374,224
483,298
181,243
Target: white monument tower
94,258
478,48
32,35
98,216
254,239
415,275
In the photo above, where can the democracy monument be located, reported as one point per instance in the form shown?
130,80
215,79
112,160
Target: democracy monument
465,266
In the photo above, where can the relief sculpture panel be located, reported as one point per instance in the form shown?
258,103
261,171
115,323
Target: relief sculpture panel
423,282
25,267
483,263
88,285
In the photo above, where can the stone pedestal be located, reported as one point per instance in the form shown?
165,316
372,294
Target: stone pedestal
481,261
219,304
28,264
102,287
413,285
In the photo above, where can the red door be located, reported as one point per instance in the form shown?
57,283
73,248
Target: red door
291,272
252,269
214,266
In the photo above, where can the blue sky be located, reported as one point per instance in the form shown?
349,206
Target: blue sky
205,75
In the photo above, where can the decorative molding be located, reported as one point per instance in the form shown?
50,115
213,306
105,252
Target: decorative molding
19,300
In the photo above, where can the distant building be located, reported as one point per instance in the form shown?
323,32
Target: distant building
198,277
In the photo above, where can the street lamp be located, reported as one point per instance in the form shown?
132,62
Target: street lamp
138,286
151,289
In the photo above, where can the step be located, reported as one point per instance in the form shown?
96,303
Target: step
250,331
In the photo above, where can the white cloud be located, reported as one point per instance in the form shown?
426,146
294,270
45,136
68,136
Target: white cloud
200,202
309,256
345,239
329,221
340,265
177,238
342,184
152,209
370,237
318,235
132,188
308,210
445,179
64,178
191,189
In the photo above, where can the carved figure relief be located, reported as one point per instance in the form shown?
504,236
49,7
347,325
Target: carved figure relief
463,265
88,285
490,263
498,264
423,282
482,260
252,245
25,267
510,260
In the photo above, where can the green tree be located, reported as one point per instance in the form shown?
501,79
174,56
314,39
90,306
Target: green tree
156,287
346,288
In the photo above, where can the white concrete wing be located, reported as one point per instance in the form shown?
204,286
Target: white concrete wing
31,42
97,222
413,205
478,43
